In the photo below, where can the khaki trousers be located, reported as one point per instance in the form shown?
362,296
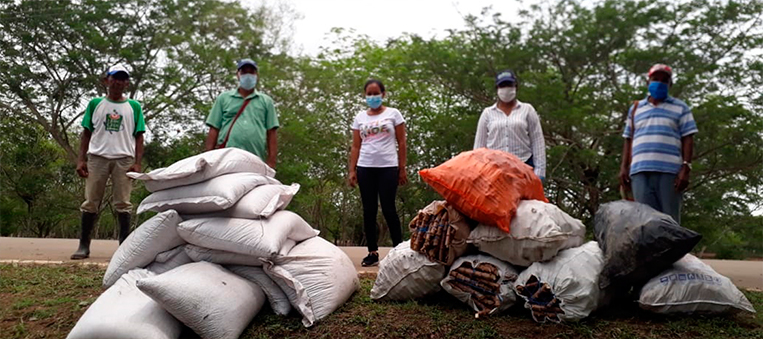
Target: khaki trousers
100,169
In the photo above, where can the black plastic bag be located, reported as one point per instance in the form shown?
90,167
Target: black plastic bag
638,243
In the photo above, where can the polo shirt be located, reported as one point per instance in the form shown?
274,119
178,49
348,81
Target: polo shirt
250,130
658,133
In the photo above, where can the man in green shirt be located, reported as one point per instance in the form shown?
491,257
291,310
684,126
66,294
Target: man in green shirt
111,145
254,129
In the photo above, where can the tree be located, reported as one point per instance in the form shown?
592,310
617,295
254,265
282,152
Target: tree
181,52
581,67
30,170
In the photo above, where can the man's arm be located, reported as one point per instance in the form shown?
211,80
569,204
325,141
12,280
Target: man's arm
272,147
625,165
136,167
84,146
687,152
687,147
211,141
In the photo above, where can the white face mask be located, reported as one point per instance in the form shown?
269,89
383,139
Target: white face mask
507,94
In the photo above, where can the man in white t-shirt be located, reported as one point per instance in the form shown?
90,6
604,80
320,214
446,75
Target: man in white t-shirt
111,145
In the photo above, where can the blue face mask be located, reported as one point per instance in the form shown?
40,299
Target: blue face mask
247,81
658,90
374,101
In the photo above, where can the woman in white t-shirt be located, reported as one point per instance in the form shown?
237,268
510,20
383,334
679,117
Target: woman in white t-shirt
377,165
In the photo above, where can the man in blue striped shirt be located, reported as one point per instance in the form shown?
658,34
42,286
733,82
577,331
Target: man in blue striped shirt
659,143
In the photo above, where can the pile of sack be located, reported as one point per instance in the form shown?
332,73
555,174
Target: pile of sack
510,244
220,247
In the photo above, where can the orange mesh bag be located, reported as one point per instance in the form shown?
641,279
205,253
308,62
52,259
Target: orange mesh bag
485,185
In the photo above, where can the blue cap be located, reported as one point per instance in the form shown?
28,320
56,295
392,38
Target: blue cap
505,76
244,62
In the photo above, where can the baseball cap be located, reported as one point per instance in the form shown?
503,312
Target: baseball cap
505,76
244,62
116,69
661,68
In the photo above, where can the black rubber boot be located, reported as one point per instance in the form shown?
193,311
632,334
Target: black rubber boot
88,221
124,226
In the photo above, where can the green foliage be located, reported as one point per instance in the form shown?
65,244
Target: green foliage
580,65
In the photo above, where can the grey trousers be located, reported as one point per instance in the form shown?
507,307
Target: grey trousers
658,191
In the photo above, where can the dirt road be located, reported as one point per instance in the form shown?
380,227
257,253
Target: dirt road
745,274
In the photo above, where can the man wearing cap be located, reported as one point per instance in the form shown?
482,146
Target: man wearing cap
512,126
659,143
244,118
111,145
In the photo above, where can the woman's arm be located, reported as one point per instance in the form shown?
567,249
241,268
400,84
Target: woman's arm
480,139
538,144
402,153
352,179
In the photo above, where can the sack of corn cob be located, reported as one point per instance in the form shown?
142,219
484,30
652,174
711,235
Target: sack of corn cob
565,288
439,232
482,282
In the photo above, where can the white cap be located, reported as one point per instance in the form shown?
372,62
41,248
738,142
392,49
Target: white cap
116,69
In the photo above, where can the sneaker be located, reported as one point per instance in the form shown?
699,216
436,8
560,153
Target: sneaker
371,260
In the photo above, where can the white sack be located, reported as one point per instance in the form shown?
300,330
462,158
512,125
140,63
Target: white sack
692,286
261,238
213,195
124,312
405,274
506,273
316,276
212,301
203,167
573,276
259,203
169,260
197,253
277,298
141,247
538,232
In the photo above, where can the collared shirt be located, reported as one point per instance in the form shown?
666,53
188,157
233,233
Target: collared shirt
114,126
250,130
518,133
659,129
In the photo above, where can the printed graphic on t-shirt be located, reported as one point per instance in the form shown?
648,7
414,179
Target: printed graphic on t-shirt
375,129
113,122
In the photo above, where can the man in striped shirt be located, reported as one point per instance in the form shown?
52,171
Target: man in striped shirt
658,146
512,126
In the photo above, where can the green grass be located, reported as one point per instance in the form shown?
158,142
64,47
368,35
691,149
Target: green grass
46,302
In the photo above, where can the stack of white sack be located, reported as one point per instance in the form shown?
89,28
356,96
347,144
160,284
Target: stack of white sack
222,207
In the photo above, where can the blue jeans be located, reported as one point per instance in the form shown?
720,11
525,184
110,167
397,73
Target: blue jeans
658,191
530,162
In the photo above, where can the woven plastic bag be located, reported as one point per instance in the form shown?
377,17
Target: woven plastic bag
691,286
469,288
485,185
405,274
538,232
